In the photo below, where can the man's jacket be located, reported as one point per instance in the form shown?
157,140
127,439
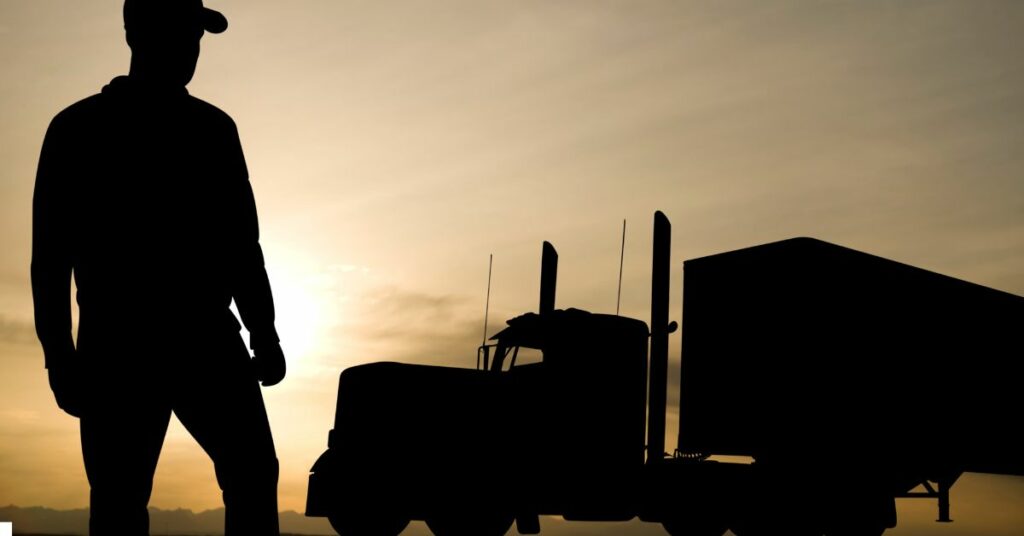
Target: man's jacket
145,197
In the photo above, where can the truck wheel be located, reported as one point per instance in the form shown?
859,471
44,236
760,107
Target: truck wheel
694,527
367,524
470,525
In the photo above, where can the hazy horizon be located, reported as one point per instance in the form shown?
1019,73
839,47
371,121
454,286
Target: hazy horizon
917,517
394,146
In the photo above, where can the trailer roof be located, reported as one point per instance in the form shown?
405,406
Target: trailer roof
809,250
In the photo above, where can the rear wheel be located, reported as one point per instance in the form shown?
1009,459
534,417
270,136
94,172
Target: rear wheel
367,523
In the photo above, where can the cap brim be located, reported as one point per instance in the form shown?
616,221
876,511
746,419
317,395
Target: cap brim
214,21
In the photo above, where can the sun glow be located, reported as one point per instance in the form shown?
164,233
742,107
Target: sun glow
307,306
301,317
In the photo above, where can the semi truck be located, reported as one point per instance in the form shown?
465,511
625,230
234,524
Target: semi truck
817,385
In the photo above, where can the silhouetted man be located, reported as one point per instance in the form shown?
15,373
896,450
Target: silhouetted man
142,193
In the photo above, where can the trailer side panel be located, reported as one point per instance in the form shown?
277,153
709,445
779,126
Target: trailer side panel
806,349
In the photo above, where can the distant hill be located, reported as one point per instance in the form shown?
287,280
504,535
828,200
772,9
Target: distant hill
180,522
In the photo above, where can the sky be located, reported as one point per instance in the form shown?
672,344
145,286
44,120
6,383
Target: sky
393,146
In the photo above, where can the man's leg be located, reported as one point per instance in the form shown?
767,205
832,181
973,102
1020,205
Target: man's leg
222,407
123,429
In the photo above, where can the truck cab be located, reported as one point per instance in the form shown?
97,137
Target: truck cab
471,449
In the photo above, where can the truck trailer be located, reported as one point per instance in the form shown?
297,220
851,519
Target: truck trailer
818,384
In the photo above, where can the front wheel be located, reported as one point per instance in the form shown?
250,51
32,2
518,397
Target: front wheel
367,523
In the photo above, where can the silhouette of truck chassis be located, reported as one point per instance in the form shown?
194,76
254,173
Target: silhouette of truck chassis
847,379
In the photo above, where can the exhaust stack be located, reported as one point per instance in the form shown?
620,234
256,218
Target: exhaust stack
548,277
660,330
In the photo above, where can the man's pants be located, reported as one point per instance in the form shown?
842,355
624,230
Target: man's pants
212,388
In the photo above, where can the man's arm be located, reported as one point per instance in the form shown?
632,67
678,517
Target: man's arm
51,250
51,269
252,291
252,286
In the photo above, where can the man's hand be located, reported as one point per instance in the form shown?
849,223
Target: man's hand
66,384
270,365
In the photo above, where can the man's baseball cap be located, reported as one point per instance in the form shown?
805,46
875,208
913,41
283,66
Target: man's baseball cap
177,14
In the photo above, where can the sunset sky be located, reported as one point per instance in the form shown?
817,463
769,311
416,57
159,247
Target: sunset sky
393,146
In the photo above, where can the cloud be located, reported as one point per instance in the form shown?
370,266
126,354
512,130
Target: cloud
404,305
20,416
16,331
415,326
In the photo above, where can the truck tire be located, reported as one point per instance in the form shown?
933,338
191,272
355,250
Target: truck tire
367,524
489,524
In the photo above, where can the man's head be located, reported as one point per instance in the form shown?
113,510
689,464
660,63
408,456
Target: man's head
164,37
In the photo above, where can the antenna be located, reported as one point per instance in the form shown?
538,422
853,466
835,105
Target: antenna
487,306
622,258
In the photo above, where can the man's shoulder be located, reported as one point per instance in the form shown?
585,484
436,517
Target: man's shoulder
209,113
81,111
96,106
